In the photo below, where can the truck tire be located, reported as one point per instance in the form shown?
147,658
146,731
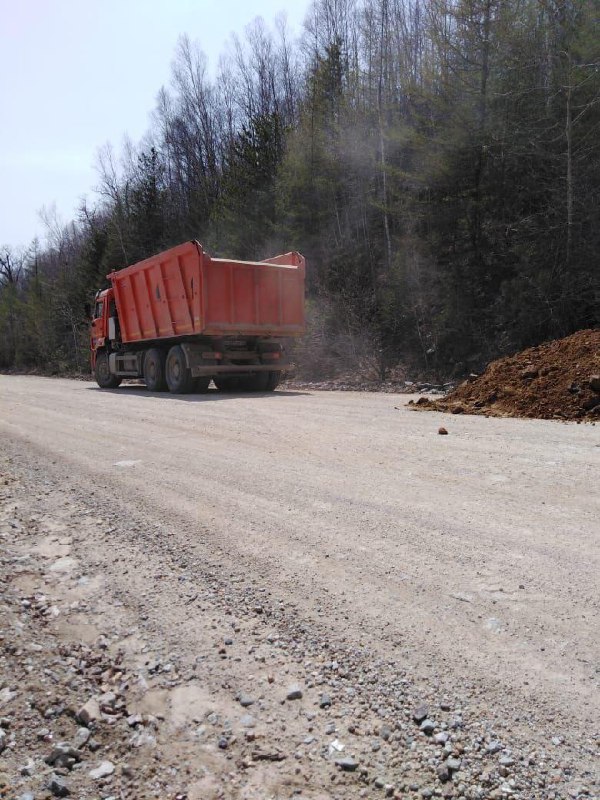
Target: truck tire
179,377
154,370
104,379
273,380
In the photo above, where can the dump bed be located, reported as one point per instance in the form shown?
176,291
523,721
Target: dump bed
183,291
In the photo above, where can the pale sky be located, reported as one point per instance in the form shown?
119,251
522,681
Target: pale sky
75,74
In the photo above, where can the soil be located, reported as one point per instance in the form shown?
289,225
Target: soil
556,380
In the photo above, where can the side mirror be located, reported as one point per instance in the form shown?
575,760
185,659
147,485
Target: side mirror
87,310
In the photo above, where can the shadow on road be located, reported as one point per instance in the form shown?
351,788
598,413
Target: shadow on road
135,390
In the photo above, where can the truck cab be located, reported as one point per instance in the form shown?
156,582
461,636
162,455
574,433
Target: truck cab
99,324
104,330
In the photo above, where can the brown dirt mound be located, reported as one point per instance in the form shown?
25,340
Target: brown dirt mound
556,380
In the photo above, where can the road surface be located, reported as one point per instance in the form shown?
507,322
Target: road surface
470,560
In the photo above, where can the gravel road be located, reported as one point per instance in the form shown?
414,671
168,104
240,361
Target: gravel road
434,599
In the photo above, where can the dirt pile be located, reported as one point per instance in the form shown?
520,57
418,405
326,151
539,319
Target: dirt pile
556,380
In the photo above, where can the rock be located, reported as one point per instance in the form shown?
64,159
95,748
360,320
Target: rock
529,373
443,431
104,769
294,692
89,713
594,383
385,732
81,738
591,403
325,701
141,739
427,726
28,769
53,711
223,743
420,714
247,721
26,796
443,773
506,761
453,764
335,747
63,755
268,755
493,747
2,740
58,786
347,764
6,695
107,700
441,738
245,700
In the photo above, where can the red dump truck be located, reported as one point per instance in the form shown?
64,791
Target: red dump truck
181,319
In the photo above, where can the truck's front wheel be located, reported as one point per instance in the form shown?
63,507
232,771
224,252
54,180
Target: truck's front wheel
104,379
179,376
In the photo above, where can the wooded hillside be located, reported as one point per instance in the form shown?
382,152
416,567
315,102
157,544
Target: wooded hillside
436,161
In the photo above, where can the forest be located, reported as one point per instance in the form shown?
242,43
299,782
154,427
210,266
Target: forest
437,162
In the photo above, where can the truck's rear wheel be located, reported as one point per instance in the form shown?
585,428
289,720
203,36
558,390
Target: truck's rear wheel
154,370
179,377
104,379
